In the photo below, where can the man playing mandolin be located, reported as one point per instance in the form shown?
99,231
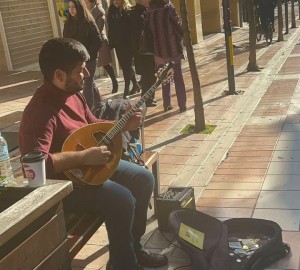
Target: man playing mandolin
56,110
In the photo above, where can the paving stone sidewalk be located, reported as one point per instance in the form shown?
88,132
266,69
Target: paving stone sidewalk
249,165
234,171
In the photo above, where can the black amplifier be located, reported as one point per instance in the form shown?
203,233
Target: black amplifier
174,198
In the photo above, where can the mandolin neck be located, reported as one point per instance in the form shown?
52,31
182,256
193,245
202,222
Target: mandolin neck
122,122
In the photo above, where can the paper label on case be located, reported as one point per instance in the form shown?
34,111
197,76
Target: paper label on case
191,235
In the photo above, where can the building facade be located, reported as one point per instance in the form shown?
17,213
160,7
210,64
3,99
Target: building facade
24,26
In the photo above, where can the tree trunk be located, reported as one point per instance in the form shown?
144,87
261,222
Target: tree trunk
198,109
280,20
299,9
293,14
286,14
252,65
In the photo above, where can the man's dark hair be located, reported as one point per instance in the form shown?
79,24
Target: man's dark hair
61,53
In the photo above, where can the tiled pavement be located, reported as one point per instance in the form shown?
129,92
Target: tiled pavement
249,165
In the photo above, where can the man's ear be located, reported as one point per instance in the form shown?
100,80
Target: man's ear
60,76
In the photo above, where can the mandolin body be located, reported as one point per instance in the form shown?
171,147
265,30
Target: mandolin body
90,136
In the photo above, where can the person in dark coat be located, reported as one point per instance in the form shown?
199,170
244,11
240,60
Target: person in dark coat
119,37
81,26
144,63
105,59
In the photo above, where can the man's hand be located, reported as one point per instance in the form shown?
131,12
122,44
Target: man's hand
96,156
69,160
135,121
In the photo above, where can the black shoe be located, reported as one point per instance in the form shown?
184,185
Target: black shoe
149,259
109,266
168,108
135,89
151,104
115,87
182,109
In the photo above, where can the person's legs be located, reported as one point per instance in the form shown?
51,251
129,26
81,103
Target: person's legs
135,88
263,20
140,182
148,82
111,73
270,16
124,202
126,68
166,95
179,86
148,77
90,90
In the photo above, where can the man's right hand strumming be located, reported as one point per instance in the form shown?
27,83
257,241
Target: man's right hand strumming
96,156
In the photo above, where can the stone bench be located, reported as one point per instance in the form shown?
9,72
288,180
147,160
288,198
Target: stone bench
79,226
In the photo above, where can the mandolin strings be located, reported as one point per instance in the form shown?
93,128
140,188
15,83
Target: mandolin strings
122,122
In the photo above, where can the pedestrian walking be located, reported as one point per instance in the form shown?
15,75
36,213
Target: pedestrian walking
119,37
80,25
166,28
105,59
144,62
266,13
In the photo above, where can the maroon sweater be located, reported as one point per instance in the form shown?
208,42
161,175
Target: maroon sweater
49,118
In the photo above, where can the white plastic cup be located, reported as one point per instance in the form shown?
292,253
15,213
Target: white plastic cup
34,167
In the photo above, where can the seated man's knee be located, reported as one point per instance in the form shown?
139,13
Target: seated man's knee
128,204
122,201
147,179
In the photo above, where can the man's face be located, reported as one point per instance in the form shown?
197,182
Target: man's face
74,81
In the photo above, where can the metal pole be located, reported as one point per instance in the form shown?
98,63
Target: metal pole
229,47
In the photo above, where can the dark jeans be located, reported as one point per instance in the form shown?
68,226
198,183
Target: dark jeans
125,60
124,201
90,90
145,66
179,88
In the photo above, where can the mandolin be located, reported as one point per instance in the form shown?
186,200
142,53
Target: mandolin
108,134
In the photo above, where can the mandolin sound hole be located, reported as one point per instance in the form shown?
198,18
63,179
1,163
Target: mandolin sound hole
98,136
